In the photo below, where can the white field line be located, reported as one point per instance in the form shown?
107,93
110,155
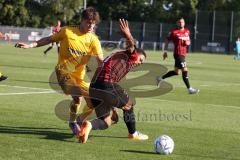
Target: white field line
44,89
22,93
222,85
170,62
41,91
208,104
209,85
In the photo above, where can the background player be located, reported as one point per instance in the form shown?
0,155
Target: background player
55,30
2,77
74,54
107,94
237,48
181,40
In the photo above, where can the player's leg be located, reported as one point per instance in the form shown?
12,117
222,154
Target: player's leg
74,109
170,73
126,104
88,107
102,101
2,77
185,77
96,124
76,120
114,116
77,94
69,87
130,121
102,122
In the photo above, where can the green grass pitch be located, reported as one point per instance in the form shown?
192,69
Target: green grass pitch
203,127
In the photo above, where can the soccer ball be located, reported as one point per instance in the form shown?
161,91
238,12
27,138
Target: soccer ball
164,145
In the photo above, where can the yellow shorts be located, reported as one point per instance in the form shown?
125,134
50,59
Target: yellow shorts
69,82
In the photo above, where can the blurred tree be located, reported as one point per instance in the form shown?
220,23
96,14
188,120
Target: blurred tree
42,13
47,12
226,5
13,12
135,10
142,10
233,5
64,9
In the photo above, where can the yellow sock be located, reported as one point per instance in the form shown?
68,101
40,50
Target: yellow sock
74,109
0,74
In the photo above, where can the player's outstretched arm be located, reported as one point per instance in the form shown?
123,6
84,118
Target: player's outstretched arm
42,42
99,59
123,24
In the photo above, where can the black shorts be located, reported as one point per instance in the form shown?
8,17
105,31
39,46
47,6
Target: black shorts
106,96
180,61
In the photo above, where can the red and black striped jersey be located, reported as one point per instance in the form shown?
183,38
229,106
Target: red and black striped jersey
115,67
179,38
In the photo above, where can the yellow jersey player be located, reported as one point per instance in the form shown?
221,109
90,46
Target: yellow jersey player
77,45
2,77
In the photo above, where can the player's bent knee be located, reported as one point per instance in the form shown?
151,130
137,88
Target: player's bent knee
114,117
185,69
177,71
108,121
129,105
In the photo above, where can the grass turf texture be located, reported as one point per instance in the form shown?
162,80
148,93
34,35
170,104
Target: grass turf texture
208,127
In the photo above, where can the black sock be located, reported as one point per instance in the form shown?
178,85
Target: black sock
169,74
185,78
129,119
99,124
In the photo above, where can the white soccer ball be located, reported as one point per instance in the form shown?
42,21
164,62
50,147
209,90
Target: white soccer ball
164,145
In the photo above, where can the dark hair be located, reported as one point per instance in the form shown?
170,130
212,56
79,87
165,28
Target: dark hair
91,13
181,18
140,51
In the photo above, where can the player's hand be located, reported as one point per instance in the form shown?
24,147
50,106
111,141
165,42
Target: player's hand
123,24
165,55
22,45
188,42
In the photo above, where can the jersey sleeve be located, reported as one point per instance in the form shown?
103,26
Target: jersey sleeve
96,48
58,36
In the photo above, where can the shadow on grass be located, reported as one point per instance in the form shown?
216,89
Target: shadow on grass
48,133
188,155
101,136
139,152
207,156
